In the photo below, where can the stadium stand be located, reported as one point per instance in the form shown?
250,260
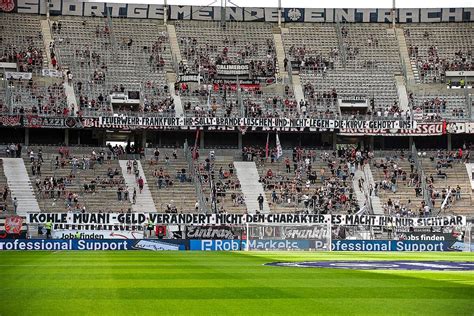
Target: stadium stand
21,42
398,184
37,98
349,62
434,106
205,44
78,182
133,58
308,180
170,181
448,180
435,49
5,194
219,175
116,56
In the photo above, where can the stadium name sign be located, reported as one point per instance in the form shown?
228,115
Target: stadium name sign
238,219
209,13
135,122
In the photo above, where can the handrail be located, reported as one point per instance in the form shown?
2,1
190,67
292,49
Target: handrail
203,207
424,185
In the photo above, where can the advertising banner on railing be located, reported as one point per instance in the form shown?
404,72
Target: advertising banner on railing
18,75
96,234
397,245
93,244
421,129
232,70
51,73
141,122
13,226
342,127
114,219
258,244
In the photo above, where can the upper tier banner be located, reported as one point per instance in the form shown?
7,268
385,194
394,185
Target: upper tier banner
343,127
212,13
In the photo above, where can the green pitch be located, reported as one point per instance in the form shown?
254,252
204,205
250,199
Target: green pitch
219,283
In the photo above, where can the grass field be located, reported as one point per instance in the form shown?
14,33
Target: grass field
218,283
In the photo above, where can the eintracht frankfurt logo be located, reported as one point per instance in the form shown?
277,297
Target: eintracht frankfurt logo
7,5
294,14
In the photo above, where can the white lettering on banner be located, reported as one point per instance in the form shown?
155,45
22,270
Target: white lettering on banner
238,219
419,129
96,234
143,122
175,12
18,75
232,69
51,73
402,246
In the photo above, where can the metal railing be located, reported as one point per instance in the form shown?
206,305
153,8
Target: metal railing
424,185
203,206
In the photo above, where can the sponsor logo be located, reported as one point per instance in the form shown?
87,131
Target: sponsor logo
209,232
430,236
13,224
232,245
7,5
294,14
72,244
155,245
96,234
381,265
390,245
306,233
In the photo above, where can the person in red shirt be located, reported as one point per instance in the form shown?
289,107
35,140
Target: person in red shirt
140,184
269,173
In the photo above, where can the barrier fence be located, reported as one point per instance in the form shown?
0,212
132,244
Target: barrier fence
211,232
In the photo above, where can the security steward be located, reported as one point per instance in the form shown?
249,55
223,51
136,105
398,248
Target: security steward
78,235
48,226
150,227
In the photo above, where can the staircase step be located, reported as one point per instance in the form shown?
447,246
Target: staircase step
251,187
144,200
20,186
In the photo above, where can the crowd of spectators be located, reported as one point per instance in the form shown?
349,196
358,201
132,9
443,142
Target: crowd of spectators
30,97
306,58
430,63
203,57
221,182
433,109
310,182
395,176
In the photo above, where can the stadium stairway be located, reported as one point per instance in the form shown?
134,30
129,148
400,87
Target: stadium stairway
361,200
20,185
403,49
173,38
402,93
178,105
376,203
144,201
251,187
280,52
298,89
70,96
470,170
47,39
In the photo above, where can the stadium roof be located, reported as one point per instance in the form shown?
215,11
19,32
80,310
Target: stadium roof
311,3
